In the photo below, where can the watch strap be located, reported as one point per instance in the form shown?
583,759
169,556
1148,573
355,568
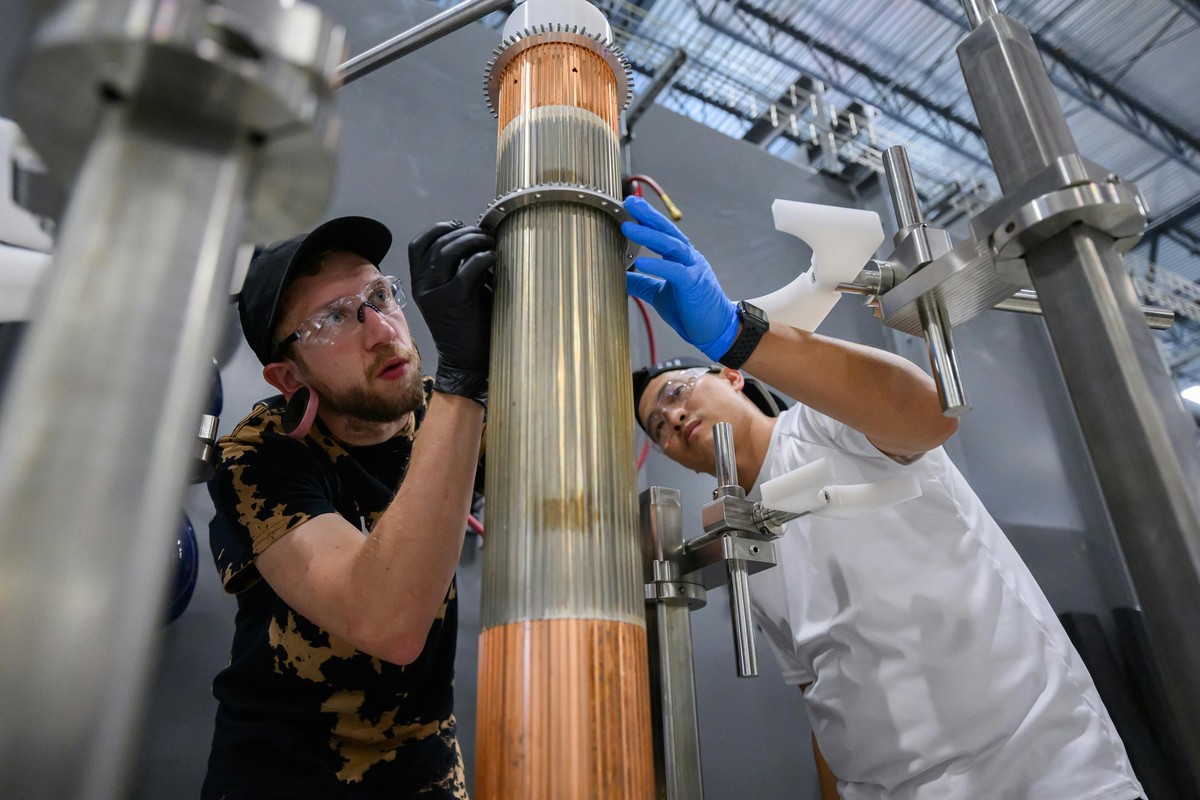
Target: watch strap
754,324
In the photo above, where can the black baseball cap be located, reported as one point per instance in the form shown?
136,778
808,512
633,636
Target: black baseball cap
275,266
756,391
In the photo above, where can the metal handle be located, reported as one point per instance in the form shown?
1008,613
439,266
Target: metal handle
725,462
416,37
942,359
743,622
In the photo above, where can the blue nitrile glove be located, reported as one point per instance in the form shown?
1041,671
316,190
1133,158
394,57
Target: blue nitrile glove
681,285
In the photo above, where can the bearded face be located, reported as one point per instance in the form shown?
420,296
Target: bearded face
373,399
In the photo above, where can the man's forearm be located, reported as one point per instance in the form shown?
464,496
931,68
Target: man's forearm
407,562
887,398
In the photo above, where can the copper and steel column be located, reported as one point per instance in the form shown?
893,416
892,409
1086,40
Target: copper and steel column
564,706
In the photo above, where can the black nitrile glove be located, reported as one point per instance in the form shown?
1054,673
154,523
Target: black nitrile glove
450,267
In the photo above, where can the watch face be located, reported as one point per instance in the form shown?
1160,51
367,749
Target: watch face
753,312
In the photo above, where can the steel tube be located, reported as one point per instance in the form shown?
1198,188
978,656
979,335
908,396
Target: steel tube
741,618
903,190
672,679
979,11
725,461
1141,440
1026,302
416,37
942,358
97,429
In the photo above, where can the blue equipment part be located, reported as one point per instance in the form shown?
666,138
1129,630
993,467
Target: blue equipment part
187,566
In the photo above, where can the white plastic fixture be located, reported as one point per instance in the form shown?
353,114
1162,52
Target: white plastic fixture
568,13
842,241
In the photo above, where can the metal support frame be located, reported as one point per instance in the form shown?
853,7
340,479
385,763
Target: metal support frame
669,602
195,140
736,543
1139,436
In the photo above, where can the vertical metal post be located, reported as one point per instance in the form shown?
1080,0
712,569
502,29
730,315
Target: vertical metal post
169,166
903,191
725,462
943,359
740,616
1014,100
978,11
96,432
669,635
938,336
1140,439
742,619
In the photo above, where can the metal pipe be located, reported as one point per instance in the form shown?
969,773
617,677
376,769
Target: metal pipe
97,429
416,37
672,679
1026,302
946,375
725,462
1141,440
742,619
903,190
979,11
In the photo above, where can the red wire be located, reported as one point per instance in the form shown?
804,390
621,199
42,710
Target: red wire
646,179
474,524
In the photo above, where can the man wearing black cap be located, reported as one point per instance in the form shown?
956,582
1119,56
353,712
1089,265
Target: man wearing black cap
931,663
339,528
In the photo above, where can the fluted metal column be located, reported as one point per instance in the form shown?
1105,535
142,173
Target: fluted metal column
563,690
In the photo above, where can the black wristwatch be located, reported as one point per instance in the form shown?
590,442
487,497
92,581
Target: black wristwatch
754,325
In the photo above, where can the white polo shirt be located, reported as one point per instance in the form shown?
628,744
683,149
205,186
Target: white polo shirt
938,668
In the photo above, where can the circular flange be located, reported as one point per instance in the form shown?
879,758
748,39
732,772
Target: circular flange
1114,208
544,34
504,205
263,70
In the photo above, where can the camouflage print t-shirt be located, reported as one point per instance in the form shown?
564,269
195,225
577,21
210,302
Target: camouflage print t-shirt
303,714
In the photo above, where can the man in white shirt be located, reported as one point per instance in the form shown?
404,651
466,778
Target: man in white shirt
931,663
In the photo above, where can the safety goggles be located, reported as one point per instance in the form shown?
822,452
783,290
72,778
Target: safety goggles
673,394
332,321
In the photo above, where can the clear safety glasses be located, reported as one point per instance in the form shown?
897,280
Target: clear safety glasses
335,319
672,395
